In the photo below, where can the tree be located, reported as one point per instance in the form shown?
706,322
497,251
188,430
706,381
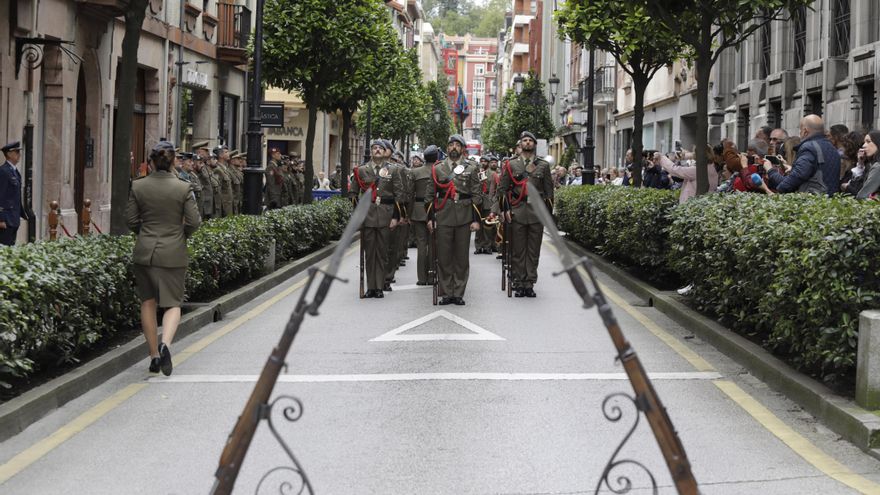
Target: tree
127,76
529,113
307,45
715,26
436,131
403,108
368,77
619,28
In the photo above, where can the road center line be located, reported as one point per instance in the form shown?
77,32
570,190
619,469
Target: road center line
412,377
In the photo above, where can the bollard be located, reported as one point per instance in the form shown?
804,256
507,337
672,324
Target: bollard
53,220
868,363
86,219
269,262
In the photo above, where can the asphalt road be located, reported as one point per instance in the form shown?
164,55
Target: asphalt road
501,396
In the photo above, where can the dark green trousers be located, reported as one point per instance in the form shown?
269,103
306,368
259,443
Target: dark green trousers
453,244
526,248
375,255
423,246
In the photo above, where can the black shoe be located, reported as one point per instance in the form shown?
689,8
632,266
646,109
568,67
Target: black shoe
458,301
518,293
402,263
499,257
446,301
379,294
407,257
421,283
387,287
154,365
530,292
370,293
478,251
165,360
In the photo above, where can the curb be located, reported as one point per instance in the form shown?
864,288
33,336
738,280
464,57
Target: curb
24,410
842,415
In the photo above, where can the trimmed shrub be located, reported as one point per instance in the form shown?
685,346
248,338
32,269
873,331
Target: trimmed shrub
58,299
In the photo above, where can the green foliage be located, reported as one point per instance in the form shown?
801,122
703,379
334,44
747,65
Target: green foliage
59,299
404,107
793,273
525,112
463,17
568,157
432,131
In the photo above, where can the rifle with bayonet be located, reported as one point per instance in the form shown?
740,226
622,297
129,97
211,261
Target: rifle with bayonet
240,439
646,399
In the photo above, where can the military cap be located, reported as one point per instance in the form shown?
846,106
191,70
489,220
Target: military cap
13,146
457,138
377,142
431,153
220,148
399,155
274,150
527,134
294,154
388,145
201,145
187,156
484,158
164,146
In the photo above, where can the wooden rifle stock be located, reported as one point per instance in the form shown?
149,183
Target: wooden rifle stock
362,268
434,265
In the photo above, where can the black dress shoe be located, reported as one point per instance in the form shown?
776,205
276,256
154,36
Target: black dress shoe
458,301
387,287
446,301
379,294
499,257
165,360
370,293
407,257
421,283
530,292
154,365
518,293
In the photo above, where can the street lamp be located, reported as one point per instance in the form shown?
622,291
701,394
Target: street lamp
253,173
554,87
518,83
437,115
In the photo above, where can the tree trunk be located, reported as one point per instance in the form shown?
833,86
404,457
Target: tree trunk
640,85
704,69
310,145
121,171
346,150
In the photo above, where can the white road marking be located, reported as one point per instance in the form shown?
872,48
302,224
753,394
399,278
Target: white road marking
398,288
479,333
412,377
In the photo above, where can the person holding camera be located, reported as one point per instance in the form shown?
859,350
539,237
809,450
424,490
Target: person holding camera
687,172
162,212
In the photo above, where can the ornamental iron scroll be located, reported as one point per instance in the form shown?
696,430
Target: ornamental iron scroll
31,50
614,412
288,479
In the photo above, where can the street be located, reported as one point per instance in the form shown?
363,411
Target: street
402,397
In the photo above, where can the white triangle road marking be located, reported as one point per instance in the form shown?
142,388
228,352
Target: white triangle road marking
396,335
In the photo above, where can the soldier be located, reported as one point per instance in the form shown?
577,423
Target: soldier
495,210
451,193
221,153
384,215
392,260
485,238
189,168
237,177
520,177
274,180
206,178
336,178
289,192
421,176
299,184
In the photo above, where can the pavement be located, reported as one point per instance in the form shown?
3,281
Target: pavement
501,396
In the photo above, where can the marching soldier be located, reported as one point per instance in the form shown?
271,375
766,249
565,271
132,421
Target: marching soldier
451,193
485,238
386,188
224,175
520,177
421,175
274,180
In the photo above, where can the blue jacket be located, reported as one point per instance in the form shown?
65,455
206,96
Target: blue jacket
11,211
805,164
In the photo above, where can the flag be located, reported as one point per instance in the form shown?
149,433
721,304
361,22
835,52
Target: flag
461,105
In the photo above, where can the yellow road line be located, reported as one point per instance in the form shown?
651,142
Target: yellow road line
44,446
61,435
820,460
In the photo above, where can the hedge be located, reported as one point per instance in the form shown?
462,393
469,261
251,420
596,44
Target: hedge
60,299
792,272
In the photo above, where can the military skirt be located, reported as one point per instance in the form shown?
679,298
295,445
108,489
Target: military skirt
165,285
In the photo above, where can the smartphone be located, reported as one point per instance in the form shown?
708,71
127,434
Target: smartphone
773,159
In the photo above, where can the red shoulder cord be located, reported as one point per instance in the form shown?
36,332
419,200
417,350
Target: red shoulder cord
523,186
363,187
449,187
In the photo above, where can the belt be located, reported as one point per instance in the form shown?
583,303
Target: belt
387,201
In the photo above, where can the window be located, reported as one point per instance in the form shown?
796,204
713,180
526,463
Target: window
479,69
814,104
479,97
774,119
869,102
799,18
765,46
840,16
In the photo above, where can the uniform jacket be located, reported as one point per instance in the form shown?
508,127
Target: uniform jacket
274,183
540,181
421,176
448,210
162,212
390,192
206,177
11,211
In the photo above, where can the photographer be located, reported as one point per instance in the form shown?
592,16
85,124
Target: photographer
654,175
687,172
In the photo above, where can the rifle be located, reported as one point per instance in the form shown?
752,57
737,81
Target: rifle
507,261
434,266
240,439
503,233
362,253
646,400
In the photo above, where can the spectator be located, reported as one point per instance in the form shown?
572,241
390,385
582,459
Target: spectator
655,177
816,160
764,133
577,177
687,172
851,145
836,134
322,182
777,139
789,149
871,158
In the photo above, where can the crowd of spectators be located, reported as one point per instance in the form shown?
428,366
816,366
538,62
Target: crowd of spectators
828,161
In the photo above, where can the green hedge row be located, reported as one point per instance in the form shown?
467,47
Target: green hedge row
59,299
790,271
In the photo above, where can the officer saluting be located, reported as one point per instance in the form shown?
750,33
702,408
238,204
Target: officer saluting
522,176
451,193
384,214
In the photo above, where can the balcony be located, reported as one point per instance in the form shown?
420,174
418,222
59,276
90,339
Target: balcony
233,33
604,86
106,9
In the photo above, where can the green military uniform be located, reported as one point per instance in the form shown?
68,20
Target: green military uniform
299,187
452,191
274,185
421,176
485,238
287,193
521,177
237,180
397,245
225,177
387,188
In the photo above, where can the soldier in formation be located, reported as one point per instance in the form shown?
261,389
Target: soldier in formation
421,175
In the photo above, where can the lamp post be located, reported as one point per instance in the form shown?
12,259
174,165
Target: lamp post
253,173
367,136
588,175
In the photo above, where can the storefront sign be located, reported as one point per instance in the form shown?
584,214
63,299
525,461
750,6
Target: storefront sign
286,131
195,78
272,114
